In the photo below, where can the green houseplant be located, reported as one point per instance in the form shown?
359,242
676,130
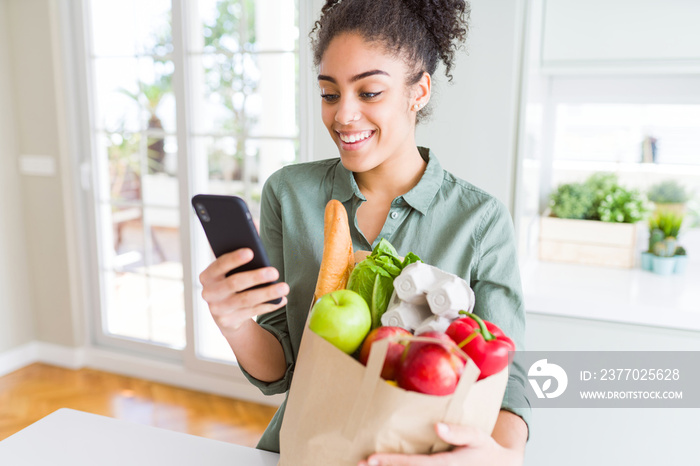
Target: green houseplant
572,200
655,235
681,260
669,222
669,195
663,261
600,197
668,192
592,222
665,226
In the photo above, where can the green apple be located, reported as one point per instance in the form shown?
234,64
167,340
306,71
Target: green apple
341,317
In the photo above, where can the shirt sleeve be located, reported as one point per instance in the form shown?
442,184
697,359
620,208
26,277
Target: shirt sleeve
274,322
498,295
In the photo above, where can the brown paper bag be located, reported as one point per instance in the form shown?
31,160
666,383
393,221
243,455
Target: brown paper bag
339,412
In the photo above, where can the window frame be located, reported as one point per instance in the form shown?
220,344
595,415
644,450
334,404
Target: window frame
75,18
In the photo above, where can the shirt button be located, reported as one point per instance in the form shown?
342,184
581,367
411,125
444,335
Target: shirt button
394,214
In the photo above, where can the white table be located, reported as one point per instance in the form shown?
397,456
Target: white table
74,438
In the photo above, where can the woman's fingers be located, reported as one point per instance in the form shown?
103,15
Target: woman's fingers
467,439
238,308
232,300
234,320
249,298
226,286
224,264
455,434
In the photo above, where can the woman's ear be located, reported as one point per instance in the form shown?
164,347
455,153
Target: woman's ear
421,92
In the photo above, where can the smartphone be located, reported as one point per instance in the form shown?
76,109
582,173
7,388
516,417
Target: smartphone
229,226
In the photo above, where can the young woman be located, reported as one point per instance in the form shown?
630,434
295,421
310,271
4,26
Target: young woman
376,59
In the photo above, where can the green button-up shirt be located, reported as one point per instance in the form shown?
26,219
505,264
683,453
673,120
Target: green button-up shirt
446,221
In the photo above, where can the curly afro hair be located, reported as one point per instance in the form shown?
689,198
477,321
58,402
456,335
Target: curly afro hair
422,32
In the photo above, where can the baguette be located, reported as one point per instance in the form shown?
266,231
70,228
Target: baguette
338,258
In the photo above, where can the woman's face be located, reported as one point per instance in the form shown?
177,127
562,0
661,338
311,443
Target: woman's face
366,104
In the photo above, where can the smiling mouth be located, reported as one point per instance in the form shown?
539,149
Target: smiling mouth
355,137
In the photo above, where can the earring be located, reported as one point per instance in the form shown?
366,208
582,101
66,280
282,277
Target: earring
417,107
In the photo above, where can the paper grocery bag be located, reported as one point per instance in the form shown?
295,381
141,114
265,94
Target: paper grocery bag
340,412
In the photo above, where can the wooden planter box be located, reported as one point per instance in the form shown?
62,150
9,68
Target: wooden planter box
588,242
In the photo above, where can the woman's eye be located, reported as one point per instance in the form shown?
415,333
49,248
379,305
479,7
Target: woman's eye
370,95
330,98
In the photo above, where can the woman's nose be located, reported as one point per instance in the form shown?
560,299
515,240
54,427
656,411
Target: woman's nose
348,111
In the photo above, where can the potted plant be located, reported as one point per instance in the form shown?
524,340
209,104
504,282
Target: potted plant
572,200
665,227
593,222
663,262
669,195
655,235
681,260
669,222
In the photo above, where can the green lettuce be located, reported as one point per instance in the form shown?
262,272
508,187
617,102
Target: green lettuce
373,278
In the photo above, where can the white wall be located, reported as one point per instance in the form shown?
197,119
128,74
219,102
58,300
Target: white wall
39,244
16,299
473,125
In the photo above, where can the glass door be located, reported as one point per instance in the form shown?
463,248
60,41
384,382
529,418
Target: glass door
244,127
135,157
185,97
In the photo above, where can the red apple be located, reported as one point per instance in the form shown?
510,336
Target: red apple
393,354
437,335
430,368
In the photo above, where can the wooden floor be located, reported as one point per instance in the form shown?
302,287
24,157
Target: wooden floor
31,393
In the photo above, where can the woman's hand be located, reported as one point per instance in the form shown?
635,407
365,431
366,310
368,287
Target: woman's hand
473,447
229,304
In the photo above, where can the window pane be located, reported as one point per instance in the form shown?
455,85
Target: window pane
134,94
273,154
221,91
127,304
129,27
235,26
116,85
119,167
128,251
241,168
221,159
167,311
276,26
620,132
164,242
145,308
226,25
164,250
155,94
272,108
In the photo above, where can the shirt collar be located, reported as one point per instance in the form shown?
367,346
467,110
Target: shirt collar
344,184
422,194
419,197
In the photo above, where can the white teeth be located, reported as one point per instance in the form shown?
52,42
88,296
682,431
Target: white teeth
355,137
